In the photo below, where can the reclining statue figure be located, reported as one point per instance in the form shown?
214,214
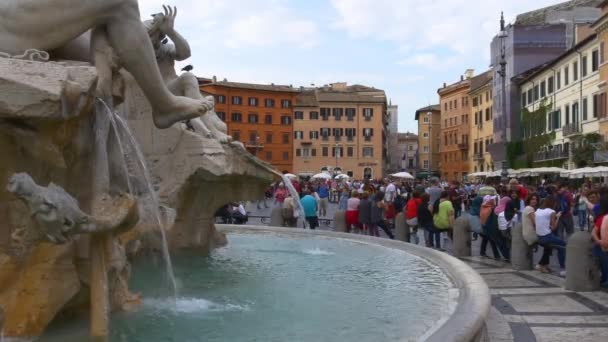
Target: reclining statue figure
58,215
61,26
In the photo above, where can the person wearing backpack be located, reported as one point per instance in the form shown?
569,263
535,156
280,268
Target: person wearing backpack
565,201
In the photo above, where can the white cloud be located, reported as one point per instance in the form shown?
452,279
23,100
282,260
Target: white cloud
239,23
458,26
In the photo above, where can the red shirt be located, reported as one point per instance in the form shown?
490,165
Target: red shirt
411,208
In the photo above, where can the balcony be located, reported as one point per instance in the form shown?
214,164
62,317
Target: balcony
254,144
478,156
463,146
571,129
551,155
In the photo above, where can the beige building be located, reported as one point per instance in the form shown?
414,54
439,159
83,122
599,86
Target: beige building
482,127
406,151
429,130
341,126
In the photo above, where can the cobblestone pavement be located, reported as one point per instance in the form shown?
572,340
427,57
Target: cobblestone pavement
528,305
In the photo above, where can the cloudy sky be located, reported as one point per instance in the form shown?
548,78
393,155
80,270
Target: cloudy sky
406,47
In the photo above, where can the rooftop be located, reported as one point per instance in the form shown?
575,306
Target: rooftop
481,80
431,108
253,86
539,16
340,92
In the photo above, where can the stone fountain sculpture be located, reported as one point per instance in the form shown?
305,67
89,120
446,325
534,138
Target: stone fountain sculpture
63,247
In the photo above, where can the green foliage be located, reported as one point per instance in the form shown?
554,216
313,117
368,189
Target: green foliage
520,154
583,153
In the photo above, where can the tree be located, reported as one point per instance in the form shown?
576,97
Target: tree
534,126
583,152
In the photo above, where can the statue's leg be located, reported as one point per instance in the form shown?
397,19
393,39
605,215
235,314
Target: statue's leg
183,86
102,57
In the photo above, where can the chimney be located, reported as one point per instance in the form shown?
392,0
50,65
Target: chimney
445,84
469,73
214,79
225,80
461,77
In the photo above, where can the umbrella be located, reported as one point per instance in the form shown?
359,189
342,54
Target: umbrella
290,176
405,175
341,176
322,176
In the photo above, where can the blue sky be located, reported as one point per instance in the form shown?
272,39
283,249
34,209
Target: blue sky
406,47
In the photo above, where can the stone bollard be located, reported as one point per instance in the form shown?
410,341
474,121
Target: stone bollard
521,253
276,217
340,221
582,271
462,237
402,230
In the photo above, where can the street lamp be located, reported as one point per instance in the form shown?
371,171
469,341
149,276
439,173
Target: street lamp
429,115
503,73
337,156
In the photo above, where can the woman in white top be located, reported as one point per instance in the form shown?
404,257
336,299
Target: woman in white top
545,220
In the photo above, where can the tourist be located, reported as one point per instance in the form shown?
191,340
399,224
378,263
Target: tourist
600,239
365,212
546,220
280,194
528,220
434,192
352,212
289,212
456,198
411,214
343,203
425,220
323,194
377,215
309,203
443,213
565,223
239,214
491,233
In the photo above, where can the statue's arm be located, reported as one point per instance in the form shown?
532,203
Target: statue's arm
181,46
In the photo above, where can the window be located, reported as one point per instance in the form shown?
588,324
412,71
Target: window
475,102
585,108
425,149
237,117
313,152
337,113
221,99
426,119
575,118
488,116
559,80
298,152
426,164
285,155
268,155
236,135
269,138
325,133
285,104
237,100
446,106
252,118
325,151
269,103
368,133
298,135
368,152
594,60
253,101
350,151
268,119
351,133
602,53
314,115
221,115
325,114
285,138
523,100
550,85
567,114
543,89
350,114
285,120
298,115
584,65
530,96
253,137
313,135
338,133
368,113
575,71
425,135
337,152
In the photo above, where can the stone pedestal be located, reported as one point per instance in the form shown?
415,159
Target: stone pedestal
402,230
340,221
462,237
582,271
521,252
276,218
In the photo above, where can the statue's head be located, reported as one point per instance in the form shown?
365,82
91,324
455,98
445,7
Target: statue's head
21,184
153,27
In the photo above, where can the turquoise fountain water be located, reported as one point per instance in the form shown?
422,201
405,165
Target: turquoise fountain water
269,287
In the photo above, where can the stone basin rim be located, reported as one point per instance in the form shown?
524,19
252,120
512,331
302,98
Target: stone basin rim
467,320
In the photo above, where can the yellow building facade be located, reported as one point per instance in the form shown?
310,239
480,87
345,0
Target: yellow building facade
601,29
482,127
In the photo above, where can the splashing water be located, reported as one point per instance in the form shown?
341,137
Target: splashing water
192,305
121,128
294,194
317,251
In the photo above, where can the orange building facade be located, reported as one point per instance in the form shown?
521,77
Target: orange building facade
260,116
455,128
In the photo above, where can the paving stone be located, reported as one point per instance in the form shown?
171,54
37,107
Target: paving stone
580,334
553,303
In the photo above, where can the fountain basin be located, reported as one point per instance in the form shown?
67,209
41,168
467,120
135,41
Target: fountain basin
276,284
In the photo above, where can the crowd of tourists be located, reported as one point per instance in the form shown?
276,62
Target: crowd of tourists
547,212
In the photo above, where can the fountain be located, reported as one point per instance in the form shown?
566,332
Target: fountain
100,172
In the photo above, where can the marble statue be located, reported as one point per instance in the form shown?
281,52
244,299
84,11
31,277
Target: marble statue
58,214
186,84
61,26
